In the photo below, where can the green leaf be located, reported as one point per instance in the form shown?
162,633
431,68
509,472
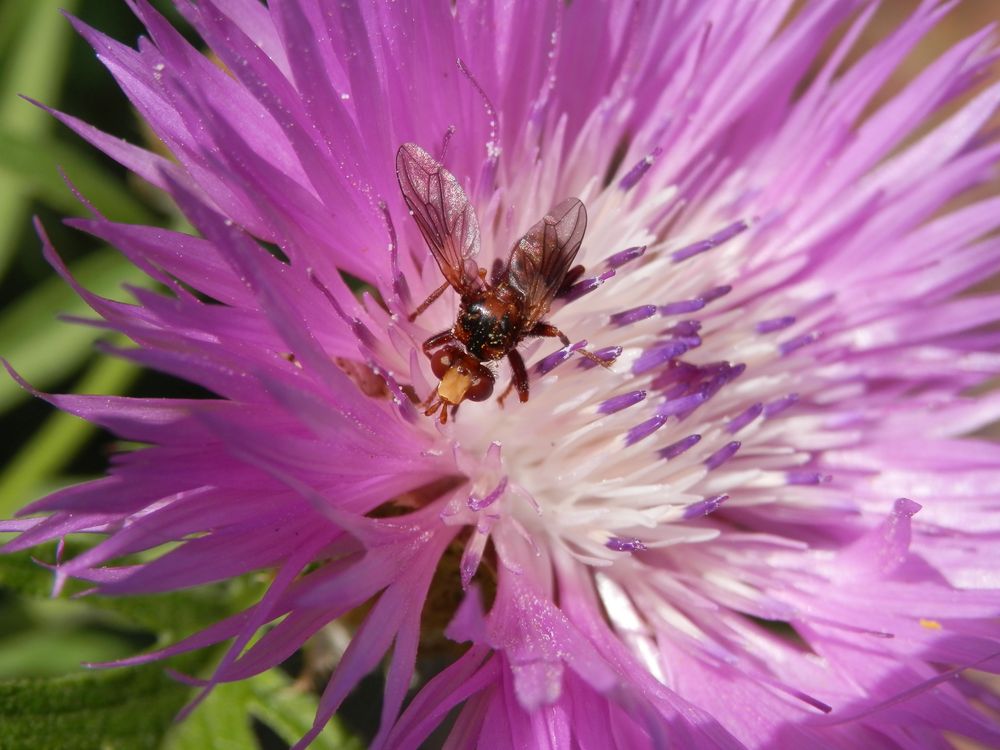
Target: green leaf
290,712
44,353
32,162
222,722
55,444
33,62
121,709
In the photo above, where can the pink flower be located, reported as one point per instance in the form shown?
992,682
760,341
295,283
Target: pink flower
702,546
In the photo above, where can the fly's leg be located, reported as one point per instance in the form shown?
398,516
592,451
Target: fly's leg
429,301
547,329
438,339
519,379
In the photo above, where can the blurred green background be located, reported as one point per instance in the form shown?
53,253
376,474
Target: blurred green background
47,700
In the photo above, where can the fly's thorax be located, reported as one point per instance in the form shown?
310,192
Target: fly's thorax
489,325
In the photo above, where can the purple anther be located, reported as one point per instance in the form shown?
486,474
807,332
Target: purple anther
800,476
549,363
586,286
644,429
657,355
476,504
798,342
617,403
704,507
624,544
681,405
775,324
686,328
722,455
682,307
715,292
607,354
635,174
633,316
714,241
622,257
775,408
749,415
675,449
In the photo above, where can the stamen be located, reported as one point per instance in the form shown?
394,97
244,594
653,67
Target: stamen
400,288
645,429
675,449
549,363
586,286
617,403
775,408
657,355
748,416
798,342
775,324
682,307
704,507
800,477
625,544
684,405
722,455
714,241
622,257
492,147
632,316
477,504
636,173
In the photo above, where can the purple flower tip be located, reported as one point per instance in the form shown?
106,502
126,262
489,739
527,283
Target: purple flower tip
658,355
775,408
787,347
645,429
683,404
617,403
632,316
586,286
625,544
905,506
716,292
622,257
749,415
477,504
714,241
682,307
635,174
704,507
675,449
775,324
722,455
549,363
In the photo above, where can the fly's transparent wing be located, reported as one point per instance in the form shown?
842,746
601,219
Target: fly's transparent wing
540,260
443,213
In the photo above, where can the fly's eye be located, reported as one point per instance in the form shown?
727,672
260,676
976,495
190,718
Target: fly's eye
481,387
441,362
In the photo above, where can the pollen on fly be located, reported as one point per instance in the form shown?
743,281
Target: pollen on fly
495,316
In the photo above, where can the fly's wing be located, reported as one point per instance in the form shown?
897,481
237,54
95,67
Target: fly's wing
443,213
542,257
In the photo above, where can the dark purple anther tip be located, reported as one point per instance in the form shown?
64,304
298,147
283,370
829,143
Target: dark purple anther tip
644,429
748,416
722,455
682,307
775,408
657,355
715,292
682,405
686,328
617,403
675,449
622,257
799,476
632,316
798,342
704,507
635,174
476,504
587,285
607,354
775,324
360,330
552,361
624,544
714,241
